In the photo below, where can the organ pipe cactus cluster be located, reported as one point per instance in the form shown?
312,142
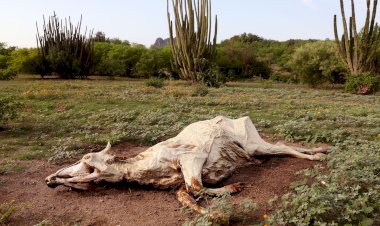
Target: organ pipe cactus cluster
358,50
193,31
63,49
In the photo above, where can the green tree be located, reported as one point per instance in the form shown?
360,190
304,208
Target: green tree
316,63
6,71
238,59
154,62
6,51
8,110
116,59
4,61
100,37
25,61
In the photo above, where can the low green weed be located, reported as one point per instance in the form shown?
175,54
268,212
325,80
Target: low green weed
199,90
7,74
8,166
366,83
7,209
346,195
226,211
8,109
155,82
64,150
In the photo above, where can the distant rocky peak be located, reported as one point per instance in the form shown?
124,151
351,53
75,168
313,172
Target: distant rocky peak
159,43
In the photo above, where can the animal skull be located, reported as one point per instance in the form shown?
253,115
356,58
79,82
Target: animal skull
205,151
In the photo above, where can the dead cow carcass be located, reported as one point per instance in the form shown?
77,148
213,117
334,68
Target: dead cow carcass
205,151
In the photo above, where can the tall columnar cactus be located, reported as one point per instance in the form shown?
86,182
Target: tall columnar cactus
358,50
63,49
193,31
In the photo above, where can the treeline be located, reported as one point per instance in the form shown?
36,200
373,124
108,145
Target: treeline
241,57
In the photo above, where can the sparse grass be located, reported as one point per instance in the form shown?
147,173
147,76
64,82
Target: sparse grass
223,212
59,118
7,209
155,82
8,166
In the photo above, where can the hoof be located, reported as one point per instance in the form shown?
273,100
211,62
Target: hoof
218,218
321,149
319,156
235,188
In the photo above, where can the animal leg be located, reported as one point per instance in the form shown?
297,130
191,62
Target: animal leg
281,149
192,173
186,200
216,217
306,150
228,189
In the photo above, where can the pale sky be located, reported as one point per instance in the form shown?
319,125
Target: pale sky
142,21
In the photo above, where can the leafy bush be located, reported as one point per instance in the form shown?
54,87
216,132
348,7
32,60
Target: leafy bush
25,61
260,69
199,90
65,64
4,61
281,77
366,83
223,212
112,59
8,109
64,150
6,71
153,61
238,59
7,74
209,74
317,63
155,82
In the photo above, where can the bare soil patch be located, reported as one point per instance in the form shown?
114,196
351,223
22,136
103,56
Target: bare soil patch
131,204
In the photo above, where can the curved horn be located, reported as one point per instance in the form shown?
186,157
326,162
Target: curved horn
107,149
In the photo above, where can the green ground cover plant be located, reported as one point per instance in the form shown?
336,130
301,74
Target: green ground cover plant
58,119
7,209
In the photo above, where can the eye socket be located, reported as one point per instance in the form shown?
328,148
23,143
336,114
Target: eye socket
89,169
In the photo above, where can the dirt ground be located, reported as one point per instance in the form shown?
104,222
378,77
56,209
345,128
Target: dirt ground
126,204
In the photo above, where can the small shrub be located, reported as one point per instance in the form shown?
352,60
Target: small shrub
7,74
199,90
212,77
317,63
366,83
155,82
281,77
8,166
65,150
226,212
8,109
267,83
209,73
260,69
